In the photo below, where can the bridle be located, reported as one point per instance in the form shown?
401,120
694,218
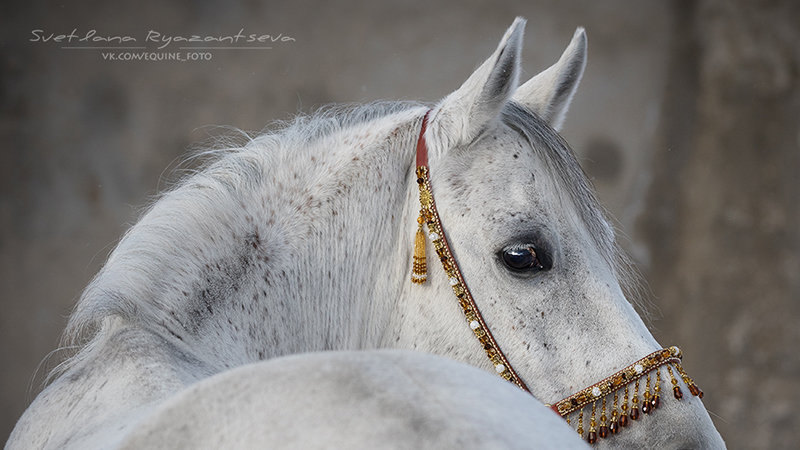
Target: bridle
594,396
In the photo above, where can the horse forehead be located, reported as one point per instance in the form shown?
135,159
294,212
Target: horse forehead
506,168
501,139
503,154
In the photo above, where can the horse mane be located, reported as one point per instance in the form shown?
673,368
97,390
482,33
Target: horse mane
123,290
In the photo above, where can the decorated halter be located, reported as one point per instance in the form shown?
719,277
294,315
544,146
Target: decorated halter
618,393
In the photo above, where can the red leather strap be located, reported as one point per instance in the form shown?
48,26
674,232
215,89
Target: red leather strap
422,146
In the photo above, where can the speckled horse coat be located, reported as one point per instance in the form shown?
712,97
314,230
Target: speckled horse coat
202,319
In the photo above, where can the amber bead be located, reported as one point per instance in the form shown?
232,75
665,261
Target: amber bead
614,427
678,393
655,402
646,408
592,438
623,420
695,390
603,433
635,413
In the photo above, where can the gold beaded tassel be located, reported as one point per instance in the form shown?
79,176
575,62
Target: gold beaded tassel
623,418
646,407
580,423
676,390
603,432
614,427
592,436
657,391
635,400
689,382
419,272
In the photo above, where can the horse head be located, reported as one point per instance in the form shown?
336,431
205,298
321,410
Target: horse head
533,262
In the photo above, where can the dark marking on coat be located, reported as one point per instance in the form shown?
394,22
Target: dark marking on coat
221,280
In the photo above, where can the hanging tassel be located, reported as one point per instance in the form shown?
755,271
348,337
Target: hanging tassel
419,273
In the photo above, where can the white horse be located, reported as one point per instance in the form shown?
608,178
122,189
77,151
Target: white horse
203,319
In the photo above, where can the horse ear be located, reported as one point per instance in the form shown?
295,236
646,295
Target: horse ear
462,115
549,93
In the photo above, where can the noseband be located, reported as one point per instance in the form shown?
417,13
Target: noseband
625,383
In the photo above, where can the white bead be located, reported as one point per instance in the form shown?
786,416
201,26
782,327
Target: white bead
453,281
638,368
500,368
434,236
596,391
474,324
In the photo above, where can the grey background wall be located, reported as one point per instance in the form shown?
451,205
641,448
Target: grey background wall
687,122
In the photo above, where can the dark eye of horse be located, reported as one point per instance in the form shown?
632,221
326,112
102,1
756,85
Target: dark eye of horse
522,259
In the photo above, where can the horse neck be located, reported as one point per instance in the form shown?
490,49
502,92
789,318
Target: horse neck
353,246
270,251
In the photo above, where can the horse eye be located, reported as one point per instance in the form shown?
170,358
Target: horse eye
522,259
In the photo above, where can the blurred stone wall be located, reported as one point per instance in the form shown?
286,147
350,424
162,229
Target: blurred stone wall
723,216
687,122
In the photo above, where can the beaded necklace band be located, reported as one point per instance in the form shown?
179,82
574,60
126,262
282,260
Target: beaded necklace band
598,394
